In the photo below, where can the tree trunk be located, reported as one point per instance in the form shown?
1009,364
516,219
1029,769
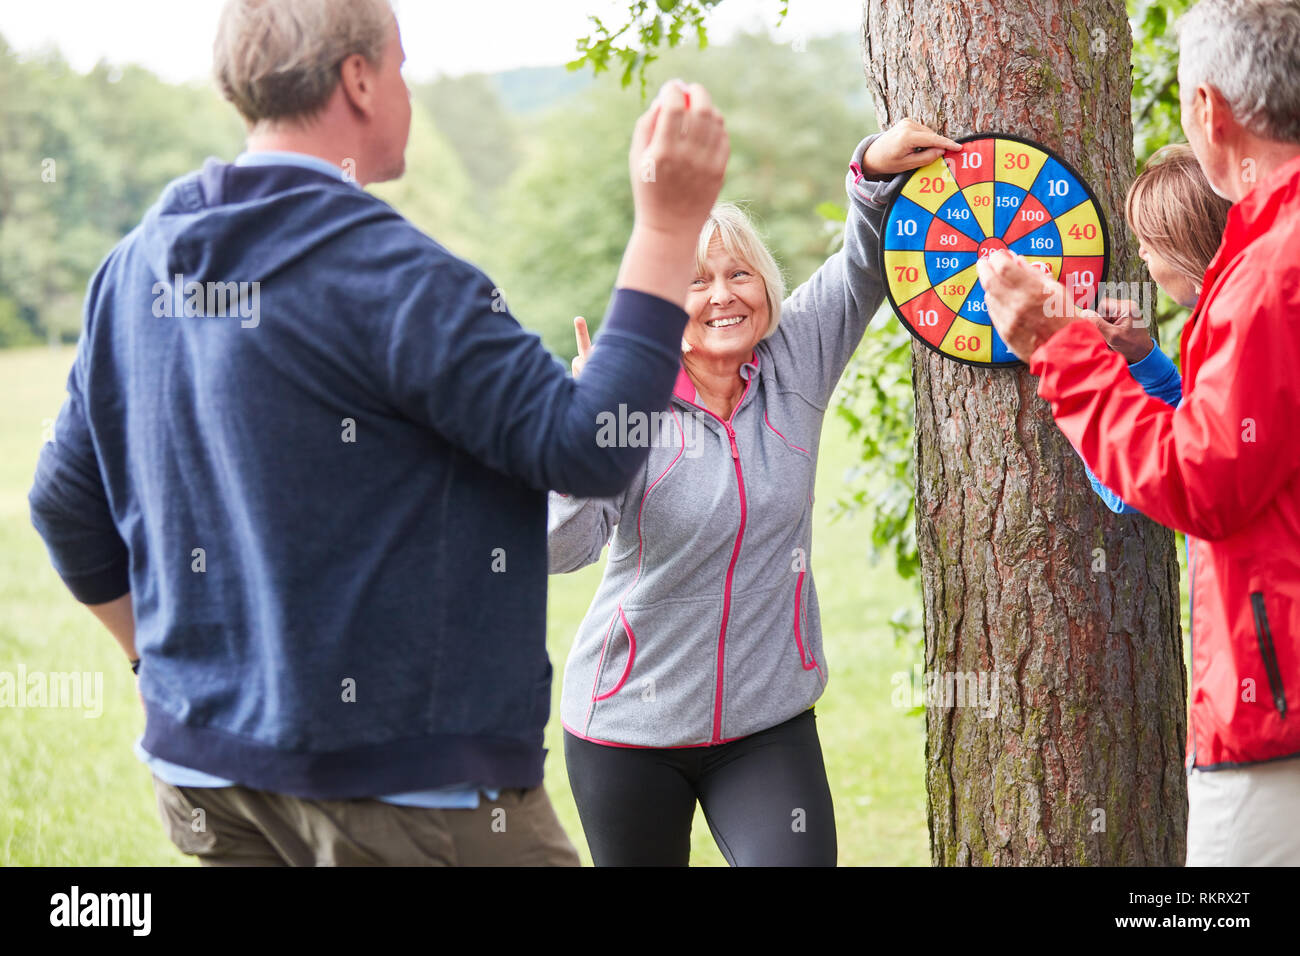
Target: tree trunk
1068,613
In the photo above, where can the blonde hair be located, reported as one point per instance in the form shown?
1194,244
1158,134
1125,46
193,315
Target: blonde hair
279,59
732,227
1174,211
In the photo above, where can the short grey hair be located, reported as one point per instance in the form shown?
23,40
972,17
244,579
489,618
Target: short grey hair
279,59
1249,50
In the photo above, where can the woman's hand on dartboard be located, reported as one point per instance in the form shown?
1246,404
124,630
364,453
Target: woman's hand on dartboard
905,145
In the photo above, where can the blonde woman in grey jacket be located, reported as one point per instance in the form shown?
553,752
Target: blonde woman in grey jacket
694,673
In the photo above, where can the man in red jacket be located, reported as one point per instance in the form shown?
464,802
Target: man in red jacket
1225,466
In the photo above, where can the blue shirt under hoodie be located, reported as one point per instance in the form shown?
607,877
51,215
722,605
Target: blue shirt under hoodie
327,499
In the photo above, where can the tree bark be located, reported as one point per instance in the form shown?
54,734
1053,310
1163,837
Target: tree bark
1069,612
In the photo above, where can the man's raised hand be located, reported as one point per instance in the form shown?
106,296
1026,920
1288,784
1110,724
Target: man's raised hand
677,162
678,159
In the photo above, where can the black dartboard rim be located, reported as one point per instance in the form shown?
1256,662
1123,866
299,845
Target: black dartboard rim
896,190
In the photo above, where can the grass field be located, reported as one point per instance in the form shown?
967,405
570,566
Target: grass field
72,793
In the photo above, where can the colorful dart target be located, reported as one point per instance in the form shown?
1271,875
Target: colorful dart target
998,192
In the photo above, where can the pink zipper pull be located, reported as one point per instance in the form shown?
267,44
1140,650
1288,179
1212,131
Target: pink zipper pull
731,434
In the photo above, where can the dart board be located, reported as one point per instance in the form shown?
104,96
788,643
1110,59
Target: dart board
998,192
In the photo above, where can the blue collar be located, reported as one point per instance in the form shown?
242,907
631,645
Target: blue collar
274,157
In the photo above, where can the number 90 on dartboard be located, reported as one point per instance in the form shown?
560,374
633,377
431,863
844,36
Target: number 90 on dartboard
998,192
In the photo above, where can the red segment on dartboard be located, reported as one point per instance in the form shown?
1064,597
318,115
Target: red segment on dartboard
924,309
1030,216
940,238
972,164
991,245
1087,268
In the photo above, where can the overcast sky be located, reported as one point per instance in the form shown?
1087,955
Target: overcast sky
174,37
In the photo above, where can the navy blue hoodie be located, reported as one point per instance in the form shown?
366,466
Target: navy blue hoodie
314,446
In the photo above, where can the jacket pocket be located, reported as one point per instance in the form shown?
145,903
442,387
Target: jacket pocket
631,656
805,654
805,467
1264,635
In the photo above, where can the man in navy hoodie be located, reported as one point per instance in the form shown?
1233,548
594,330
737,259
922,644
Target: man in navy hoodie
301,472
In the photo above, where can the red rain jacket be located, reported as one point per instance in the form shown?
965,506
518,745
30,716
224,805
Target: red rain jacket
1224,468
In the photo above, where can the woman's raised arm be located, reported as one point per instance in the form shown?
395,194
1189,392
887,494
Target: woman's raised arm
824,319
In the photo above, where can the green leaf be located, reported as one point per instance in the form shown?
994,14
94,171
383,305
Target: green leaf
832,211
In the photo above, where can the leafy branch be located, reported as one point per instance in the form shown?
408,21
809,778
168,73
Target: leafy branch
649,26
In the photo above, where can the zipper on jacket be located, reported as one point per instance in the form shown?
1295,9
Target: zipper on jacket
735,554
731,568
1266,649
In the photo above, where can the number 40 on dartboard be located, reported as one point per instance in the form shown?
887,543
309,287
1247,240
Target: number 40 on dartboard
998,192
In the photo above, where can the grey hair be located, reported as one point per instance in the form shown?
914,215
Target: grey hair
279,59
731,226
1249,50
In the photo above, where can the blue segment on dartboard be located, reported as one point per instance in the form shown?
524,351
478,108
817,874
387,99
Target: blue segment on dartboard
908,225
941,265
957,213
1057,189
1007,198
1000,351
974,308
1043,241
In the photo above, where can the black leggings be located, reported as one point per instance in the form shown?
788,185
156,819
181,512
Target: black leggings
764,796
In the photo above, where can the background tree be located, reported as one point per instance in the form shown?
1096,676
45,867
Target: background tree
875,396
1026,575
435,192
477,125
81,158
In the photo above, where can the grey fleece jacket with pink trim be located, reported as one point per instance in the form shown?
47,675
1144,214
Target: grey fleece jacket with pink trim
705,627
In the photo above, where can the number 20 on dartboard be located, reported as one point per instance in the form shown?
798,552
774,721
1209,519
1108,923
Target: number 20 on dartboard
998,191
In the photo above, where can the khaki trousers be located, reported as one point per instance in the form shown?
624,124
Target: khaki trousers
1245,816
236,826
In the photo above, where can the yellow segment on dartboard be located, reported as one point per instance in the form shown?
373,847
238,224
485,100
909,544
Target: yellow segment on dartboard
931,186
905,273
966,340
1081,231
979,196
1018,163
954,289
1052,261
